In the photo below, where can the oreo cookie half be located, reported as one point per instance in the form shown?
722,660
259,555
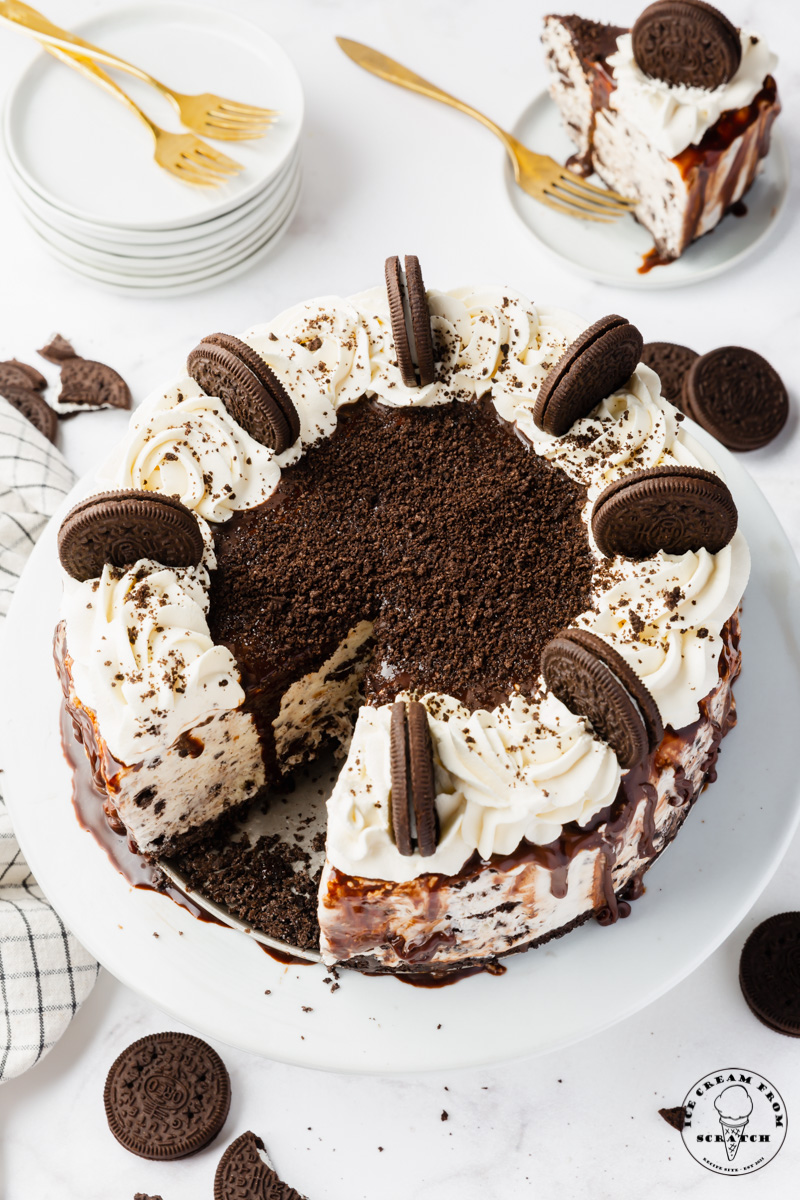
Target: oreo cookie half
593,681
769,973
20,375
413,800
673,509
597,363
32,406
92,385
226,367
243,1174
737,396
686,42
121,527
167,1096
671,362
411,321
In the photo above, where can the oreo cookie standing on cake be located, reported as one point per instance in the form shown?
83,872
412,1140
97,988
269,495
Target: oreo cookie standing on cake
596,365
119,528
737,396
687,43
671,362
411,321
226,367
413,799
673,509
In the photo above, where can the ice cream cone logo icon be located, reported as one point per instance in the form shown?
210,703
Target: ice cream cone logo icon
734,1106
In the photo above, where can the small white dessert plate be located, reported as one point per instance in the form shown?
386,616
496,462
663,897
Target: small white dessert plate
85,154
614,253
215,978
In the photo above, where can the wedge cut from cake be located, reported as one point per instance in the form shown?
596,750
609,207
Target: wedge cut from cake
687,153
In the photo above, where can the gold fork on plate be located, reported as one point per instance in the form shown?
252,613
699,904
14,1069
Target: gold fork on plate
540,176
207,114
182,154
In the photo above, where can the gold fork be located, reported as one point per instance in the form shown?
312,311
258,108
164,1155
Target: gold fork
206,114
182,154
540,176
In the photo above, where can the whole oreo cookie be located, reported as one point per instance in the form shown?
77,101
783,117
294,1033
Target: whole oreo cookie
226,367
769,973
121,527
411,321
32,406
413,800
242,1174
585,683
686,42
673,509
737,396
671,363
167,1096
627,677
597,363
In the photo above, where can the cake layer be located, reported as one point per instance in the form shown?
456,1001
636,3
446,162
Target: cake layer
514,901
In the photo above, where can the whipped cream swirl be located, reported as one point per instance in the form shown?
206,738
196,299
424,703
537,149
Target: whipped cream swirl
143,658
519,771
674,116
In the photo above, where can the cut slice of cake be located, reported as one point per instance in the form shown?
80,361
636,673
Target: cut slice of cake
686,154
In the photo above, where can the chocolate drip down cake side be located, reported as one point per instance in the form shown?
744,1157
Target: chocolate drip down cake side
461,541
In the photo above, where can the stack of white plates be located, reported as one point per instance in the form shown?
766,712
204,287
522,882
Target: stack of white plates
82,165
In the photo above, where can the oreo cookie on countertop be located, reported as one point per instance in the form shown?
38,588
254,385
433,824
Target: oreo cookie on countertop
167,1096
31,405
57,350
671,363
411,321
121,527
20,375
673,509
244,1173
594,681
413,799
597,364
737,396
769,973
686,42
676,1117
226,367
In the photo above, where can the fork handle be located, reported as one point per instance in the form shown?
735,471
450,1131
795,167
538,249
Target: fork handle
394,72
15,12
89,69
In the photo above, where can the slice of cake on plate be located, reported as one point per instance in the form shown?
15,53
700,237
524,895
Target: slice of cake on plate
675,113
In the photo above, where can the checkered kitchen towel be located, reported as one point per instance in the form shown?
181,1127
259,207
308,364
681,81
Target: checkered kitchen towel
45,975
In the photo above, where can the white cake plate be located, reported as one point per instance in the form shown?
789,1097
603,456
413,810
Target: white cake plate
219,981
614,253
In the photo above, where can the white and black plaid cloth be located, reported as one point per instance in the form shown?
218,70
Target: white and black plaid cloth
45,974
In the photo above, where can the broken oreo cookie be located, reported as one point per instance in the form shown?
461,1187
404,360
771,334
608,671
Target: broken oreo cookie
593,680
167,1096
413,800
243,1174
28,402
20,375
411,321
596,365
737,396
88,384
673,509
686,42
227,367
769,973
121,527
57,350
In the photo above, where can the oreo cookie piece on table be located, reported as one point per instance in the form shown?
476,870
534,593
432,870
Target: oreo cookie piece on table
737,396
167,1096
411,321
671,362
686,42
57,350
593,680
673,509
121,527
86,384
594,366
31,405
413,799
245,1173
769,973
227,367
20,375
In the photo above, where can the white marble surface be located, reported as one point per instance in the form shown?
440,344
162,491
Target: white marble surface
387,172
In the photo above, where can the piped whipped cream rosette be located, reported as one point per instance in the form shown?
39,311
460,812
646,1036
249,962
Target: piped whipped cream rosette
533,791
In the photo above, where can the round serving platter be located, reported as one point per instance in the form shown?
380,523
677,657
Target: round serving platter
219,980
